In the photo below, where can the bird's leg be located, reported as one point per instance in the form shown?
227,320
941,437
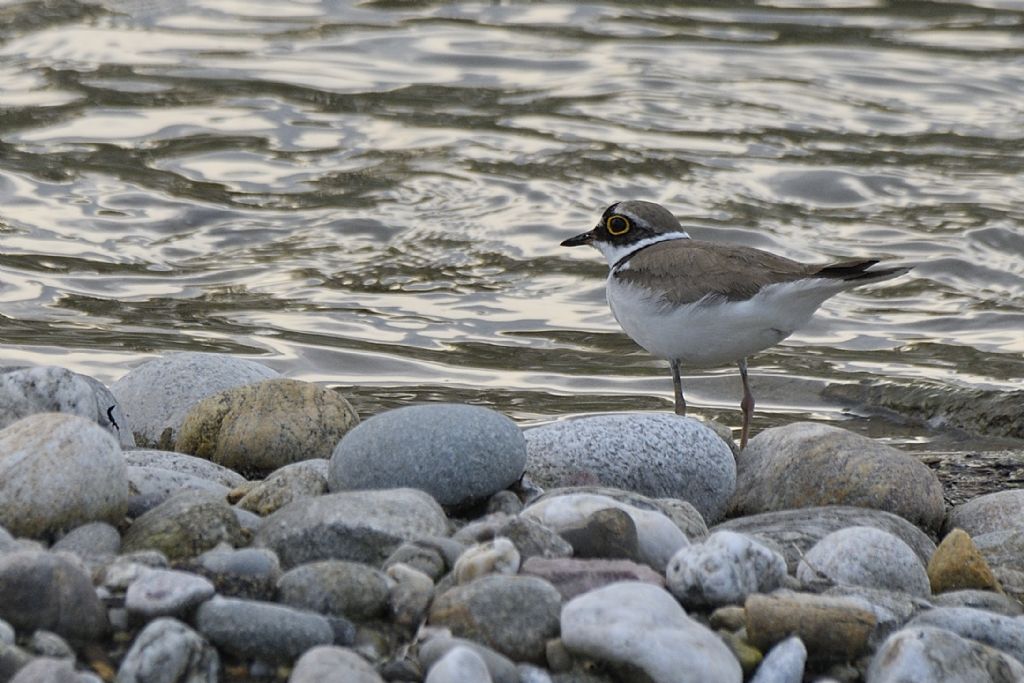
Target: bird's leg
677,386
747,404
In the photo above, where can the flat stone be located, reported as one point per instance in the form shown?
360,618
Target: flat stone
150,486
157,395
639,625
337,588
58,471
995,630
458,454
94,539
182,463
258,428
833,629
892,608
260,630
331,664
723,570
458,665
240,573
304,479
168,651
655,454
166,593
360,526
924,653
807,464
980,599
999,511
573,576
184,525
958,564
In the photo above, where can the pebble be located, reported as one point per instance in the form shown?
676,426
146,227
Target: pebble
499,556
981,599
500,668
243,573
958,564
459,454
723,570
168,651
258,428
1003,633
181,463
655,454
642,626
608,532
409,595
360,526
332,664
304,479
514,615
529,537
94,539
892,609
833,629
573,576
157,395
999,511
51,670
428,560
337,588
48,644
784,663
12,658
6,633
150,486
58,471
864,556
185,525
166,593
458,665
934,654
807,464
261,630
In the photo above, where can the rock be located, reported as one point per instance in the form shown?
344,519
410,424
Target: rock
428,560
457,453
337,588
657,536
183,464
305,479
981,599
58,471
573,576
1003,633
864,556
656,454
126,569
166,593
729,618
499,556
360,526
184,525
999,511
6,633
94,539
784,663
260,630
168,651
935,654
150,486
500,669
514,615
1003,548
258,428
48,644
244,573
409,594
605,533
51,670
157,395
892,609
51,389
458,665
330,664
723,570
41,590
958,564
637,625
529,537
12,658
505,502
832,629
807,464
794,532
682,514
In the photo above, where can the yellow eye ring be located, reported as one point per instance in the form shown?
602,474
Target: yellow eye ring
617,225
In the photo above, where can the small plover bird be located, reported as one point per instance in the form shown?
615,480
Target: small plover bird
701,304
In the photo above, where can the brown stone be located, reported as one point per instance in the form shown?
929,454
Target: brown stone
958,564
833,629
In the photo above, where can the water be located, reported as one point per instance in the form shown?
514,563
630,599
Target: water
371,195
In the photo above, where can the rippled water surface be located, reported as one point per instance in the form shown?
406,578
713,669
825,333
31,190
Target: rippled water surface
372,194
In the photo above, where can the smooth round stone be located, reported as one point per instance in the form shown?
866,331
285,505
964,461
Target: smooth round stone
457,453
999,511
305,479
360,526
57,472
168,651
995,630
184,525
723,570
934,654
51,389
330,664
335,587
95,539
157,395
243,573
807,464
640,625
410,593
166,593
500,668
183,464
514,615
258,428
654,454
52,670
1003,548
48,644
865,556
261,630
958,564
784,663
150,486
458,665
42,590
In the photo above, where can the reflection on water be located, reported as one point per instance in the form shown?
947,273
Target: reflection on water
371,194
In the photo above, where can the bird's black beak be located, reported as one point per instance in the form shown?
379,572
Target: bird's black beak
578,240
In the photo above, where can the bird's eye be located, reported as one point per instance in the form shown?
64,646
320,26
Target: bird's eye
617,225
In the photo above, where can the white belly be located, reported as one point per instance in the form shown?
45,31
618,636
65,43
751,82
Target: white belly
715,332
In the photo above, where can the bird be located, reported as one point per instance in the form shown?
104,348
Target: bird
698,303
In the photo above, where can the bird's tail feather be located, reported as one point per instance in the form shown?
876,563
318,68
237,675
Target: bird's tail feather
858,272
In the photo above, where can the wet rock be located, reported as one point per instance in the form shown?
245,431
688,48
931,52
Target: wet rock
150,486
935,654
794,532
640,626
258,428
58,471
360,526
999,511
243,573
864,556
980,599
260,630
188,465
41,590
1003,633
500,668
336,587
958,564
51,670
499,556
807,464
409,594
457,665
168,651
573,576
723,570
95,539
157,395
330,664
655,454
166,593
833,629
305,479
184,525
784,663
457,453
514,615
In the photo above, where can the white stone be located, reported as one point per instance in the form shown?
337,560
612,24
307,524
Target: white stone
168,651
459,665
166,592
935,654
995,630
724,570
784,663
332,664
498,556
865,556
